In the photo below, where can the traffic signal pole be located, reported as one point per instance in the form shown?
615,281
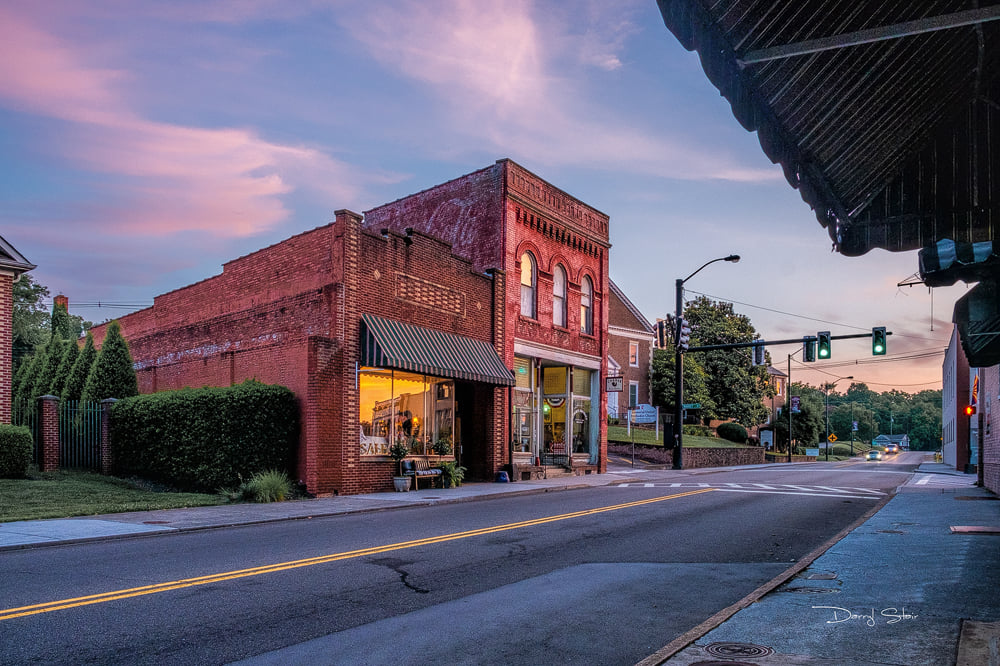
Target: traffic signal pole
679,380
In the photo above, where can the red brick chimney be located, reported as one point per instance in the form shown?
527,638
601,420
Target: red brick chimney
63,301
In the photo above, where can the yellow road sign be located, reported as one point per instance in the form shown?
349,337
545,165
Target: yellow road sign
832,437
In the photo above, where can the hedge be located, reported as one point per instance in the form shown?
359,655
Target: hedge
205,439
16,447
732,432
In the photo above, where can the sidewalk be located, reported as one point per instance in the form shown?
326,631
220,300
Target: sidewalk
908,586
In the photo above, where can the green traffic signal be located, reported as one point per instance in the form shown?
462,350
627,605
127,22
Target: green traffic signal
878,341
823,344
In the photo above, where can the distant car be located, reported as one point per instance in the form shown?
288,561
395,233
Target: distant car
892,448
874,454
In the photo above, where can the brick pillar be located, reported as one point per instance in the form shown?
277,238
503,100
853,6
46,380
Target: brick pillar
107,461
6,344
48,426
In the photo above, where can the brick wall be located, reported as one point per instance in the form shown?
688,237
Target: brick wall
696,457
6,344
990,392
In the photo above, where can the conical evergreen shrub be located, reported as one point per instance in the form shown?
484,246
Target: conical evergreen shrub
22,391
112,375
61,324
65,365
73,388
53,356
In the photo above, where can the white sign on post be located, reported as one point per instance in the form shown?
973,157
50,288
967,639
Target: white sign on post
614,384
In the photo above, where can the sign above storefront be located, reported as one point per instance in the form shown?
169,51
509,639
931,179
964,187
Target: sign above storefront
614,384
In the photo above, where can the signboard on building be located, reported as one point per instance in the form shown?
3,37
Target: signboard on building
795,404
614,384
644,414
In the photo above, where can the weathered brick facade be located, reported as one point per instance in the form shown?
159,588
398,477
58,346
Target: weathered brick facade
442,259
990,428
492,217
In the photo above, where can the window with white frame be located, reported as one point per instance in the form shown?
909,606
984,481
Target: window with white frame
633,354
633,394
559,296
529,283
586,306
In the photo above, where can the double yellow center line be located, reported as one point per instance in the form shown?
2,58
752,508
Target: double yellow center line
63,604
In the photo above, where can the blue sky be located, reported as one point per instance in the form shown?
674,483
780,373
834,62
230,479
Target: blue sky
146,143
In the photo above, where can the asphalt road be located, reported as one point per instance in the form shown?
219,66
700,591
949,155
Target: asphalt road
599,576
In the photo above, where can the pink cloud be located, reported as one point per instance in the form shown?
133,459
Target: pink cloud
166,177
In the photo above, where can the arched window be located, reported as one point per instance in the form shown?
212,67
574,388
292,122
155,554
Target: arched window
559,296
586,306
529,282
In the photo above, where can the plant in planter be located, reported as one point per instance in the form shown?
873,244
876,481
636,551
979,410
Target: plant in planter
397,452
452,474
442,446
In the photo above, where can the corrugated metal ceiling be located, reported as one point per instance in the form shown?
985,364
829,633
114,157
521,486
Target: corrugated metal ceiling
892,142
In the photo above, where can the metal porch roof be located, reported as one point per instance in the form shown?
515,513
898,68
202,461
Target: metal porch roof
884,115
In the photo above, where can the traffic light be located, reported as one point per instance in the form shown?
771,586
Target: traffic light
809,350
662,333
970,410
878,341
684,336
823,345
757,358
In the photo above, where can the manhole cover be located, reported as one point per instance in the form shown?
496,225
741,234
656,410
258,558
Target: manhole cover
738,650
812,590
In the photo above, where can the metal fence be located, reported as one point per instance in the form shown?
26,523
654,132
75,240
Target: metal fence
25,413
79,434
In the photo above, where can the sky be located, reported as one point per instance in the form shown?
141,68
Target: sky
144,144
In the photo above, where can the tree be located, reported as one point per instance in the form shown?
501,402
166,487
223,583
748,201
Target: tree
29,318
112,375
32,366
47,372
70,327
695,382
808,424
65,366
73,388
736,387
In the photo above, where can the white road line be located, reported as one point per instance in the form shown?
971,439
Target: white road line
763,485
782,492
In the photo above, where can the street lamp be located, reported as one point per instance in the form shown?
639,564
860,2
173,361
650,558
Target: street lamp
830,385
679,363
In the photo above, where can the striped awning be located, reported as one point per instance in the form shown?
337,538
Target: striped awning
386,343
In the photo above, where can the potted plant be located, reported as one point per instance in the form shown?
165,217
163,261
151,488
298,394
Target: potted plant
397,452
452,474
442,446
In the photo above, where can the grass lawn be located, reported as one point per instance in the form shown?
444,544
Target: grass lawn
641,436
67,493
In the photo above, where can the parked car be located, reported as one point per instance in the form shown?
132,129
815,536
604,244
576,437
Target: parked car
874,454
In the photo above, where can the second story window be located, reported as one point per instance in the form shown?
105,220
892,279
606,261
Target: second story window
586,306
559,297
633,354
529,282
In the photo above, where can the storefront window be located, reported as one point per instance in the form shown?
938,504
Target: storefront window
415,410
523,426
583,416
554,410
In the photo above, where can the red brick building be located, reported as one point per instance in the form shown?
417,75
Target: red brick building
631,341
405,327
12,265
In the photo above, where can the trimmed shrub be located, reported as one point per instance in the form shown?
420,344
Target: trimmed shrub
698,430
732,432
54,351
206,439
16,447
78,374
112,375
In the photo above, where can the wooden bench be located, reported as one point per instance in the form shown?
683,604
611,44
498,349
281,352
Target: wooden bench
419,468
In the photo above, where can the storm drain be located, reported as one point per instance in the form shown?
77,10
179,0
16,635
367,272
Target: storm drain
822,576
811,590
738,650
890,531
